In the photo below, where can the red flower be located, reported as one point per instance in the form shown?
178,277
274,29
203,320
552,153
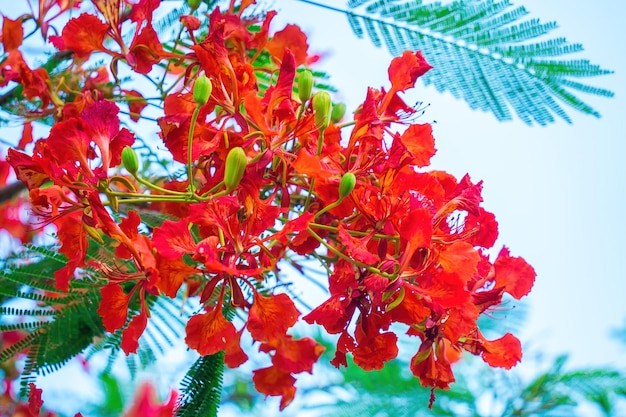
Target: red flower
291,38
113,307
514,274
274,381
12,34
504,352
82,35
271,317
146,403
406,69
210,332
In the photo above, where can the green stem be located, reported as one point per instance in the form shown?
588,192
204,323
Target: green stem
194,118
161,189
345,257
353,232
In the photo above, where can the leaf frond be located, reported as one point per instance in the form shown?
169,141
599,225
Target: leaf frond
484,53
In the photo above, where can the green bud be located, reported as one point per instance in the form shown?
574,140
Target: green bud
202,89
322,105
236,162
130,161
305,85
194,4
339,110
348,181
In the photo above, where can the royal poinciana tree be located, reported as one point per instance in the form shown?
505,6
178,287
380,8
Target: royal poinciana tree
262,170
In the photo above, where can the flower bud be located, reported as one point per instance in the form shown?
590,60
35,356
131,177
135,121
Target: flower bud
339,110
348,181
202,89
130,161
305,85
322,105
235,166
194,4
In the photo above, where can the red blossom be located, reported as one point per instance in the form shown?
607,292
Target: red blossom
406,69
292,39
34,399
271,317
134,330
146,404
513,274
113,307
12,34
406,245
210,332
373,351
419,141
73,237
82,35
274,381
172,239
504,352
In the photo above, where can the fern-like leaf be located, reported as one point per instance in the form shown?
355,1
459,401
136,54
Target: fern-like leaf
202,387
482,52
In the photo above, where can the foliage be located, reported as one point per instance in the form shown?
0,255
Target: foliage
484,53
258,168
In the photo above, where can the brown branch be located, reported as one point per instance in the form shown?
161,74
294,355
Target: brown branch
8,192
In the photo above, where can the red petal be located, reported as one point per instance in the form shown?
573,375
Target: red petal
447,289
235,356
69,141
278,97
113,307
146,403
432,372
293,355
487,228
34,399
418,139
404,70
331,314
416,230
172,274
271,317
357,247
505,352
292,38
12,34
460,258
136,103
84,34
190,22
514,274
274,381
27,170
172,239
73,245
146,50
210,332
131,334
27,135
143,10
104,124
372,352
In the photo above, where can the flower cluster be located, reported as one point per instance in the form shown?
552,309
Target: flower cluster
271,169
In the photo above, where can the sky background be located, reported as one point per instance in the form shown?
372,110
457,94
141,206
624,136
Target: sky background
558,191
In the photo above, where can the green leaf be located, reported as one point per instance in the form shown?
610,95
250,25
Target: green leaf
483,53
202,387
